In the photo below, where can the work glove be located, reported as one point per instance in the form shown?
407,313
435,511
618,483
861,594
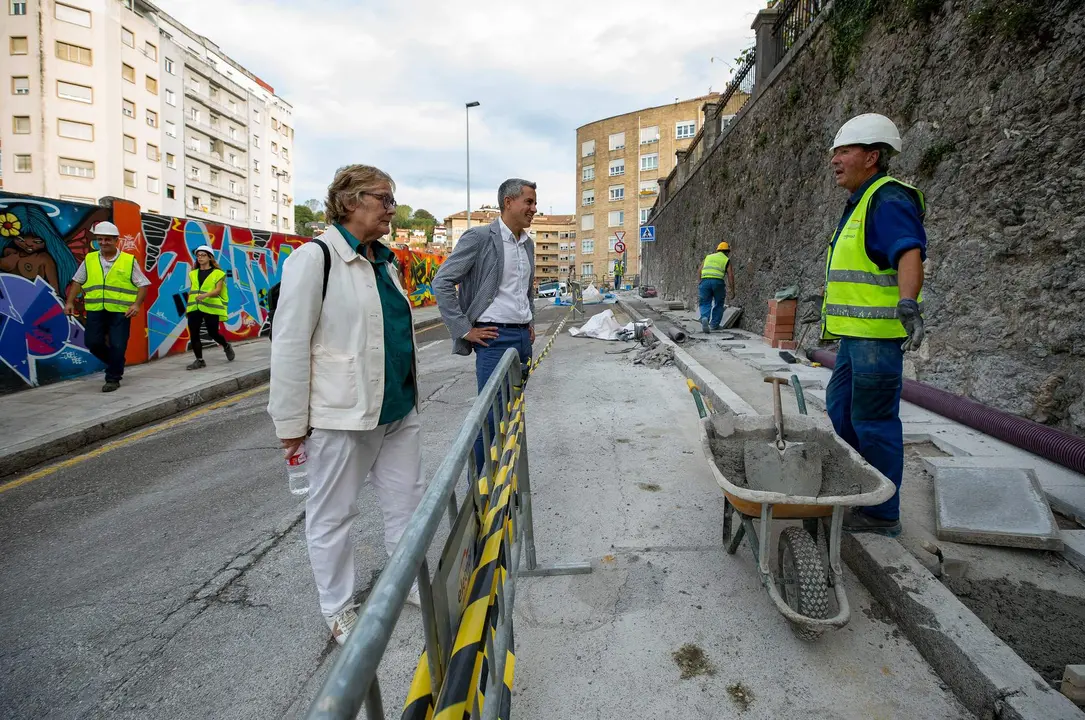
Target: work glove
908,312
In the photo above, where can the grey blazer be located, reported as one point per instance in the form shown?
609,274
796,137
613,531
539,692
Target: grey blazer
476,266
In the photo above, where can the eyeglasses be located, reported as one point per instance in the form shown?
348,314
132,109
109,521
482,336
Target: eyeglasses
388,200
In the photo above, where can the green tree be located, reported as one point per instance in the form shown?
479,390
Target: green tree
303,215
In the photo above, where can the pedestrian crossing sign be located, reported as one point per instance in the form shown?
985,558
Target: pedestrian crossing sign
648,233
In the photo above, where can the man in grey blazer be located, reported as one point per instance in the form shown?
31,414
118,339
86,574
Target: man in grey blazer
494,267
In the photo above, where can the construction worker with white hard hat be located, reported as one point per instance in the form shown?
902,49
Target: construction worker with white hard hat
114,289
873,304
712,289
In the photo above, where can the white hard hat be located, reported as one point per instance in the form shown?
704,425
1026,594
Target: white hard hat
868,129
205,248
105,228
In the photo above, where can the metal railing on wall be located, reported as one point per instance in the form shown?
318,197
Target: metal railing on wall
467,604
795,17
740,87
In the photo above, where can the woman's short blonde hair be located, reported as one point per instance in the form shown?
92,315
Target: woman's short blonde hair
345,192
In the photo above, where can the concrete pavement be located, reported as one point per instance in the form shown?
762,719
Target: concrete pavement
169,577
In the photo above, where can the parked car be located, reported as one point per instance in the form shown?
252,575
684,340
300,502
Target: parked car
647,291
550,289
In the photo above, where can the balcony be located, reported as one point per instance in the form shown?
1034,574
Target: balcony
214,189
202,67
241,143
238,116
215,160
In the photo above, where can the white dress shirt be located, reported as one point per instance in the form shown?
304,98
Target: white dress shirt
511,304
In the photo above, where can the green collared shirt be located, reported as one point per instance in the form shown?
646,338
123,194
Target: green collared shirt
399,390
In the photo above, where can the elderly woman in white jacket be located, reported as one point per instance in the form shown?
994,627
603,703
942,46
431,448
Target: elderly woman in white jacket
344,381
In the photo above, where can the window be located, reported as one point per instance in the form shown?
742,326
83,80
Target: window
587,149
194,114
233,186
130,178
71,91
18,46
78,199
75,130
129,144
587,246
128,72
20,86
274,148
194,83
587,197
617,167
617,192
76,168
169,66
617,141
616,218
649,187
233,213
256,166
171,129
150,51
171,98
649,162
256,141
587,222
128,108
587,269
255,115
151,84
649,135
171,161
256,216
71,53
610,246
233,132
286,154
685,129
23,163
233,160
197,202
17,7
127,37
256,191
152,118
644,213
73,15
588,173
214,177
171,192
152,185
153,153
274,219
21,124
275,196
194,172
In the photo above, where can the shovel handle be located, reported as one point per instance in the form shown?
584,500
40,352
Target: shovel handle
778,409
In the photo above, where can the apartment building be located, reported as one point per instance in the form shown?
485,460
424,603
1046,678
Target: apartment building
620,160
116,98
551,233
456,224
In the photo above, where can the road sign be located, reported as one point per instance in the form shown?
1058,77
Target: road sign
619,247
619,235
648,233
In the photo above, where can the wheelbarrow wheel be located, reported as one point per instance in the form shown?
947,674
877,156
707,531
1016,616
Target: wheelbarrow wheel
803,580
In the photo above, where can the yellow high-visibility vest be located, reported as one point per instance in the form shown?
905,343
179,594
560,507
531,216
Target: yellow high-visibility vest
113,291
212,305
715,266
861,298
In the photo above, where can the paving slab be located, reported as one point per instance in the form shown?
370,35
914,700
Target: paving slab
1073,548
993,506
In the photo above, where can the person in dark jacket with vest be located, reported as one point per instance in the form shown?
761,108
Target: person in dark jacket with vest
712,289
872,304
115,288
208,299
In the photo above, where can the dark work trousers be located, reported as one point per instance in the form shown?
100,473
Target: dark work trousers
211,323
107,339
486,361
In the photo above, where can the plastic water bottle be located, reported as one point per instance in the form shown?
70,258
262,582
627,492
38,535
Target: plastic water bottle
296,473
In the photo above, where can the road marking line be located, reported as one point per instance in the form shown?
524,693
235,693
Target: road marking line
429,345
128,440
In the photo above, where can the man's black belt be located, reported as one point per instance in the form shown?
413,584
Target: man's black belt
517,326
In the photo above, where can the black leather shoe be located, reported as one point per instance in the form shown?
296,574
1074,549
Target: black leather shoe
110,386
857,521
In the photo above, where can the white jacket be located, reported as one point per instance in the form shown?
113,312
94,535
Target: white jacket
327,362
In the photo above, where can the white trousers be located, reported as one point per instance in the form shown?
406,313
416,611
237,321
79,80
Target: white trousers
339,462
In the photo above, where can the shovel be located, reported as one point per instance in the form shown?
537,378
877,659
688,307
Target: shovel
791,468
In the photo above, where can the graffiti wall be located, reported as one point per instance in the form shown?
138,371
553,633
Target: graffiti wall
42,243
418,270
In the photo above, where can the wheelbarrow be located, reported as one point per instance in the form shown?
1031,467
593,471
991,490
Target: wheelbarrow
842,480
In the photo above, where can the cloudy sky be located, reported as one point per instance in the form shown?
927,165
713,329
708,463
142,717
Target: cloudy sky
385,83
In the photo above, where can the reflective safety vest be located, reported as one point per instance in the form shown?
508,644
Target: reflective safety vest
861,298
113,291
715,266
212,305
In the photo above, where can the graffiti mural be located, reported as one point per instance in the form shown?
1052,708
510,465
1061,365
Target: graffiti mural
418,270
253,262
42,243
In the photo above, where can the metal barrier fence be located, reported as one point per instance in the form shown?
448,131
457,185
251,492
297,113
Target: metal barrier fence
578,298
468,603
795,16
741,82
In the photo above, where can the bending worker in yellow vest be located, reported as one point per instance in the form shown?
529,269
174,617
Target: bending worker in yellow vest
874,274
208,301
712,290
114,289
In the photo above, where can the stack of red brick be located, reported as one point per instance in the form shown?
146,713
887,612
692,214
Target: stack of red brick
780,326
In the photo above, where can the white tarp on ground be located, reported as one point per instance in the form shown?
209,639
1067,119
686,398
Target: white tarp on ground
603,327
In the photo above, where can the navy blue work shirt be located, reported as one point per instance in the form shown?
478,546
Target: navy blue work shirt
894,223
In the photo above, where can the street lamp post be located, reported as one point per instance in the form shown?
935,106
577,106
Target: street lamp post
467,111
279,197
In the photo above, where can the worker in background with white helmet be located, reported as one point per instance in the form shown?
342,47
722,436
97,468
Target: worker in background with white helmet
712,289
872,304
114,288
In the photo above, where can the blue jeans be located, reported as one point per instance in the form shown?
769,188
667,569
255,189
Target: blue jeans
106,335
486,360
712,290
863,399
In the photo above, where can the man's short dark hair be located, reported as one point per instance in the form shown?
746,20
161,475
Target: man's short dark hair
512,188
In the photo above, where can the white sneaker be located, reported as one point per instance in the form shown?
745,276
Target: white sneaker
413,598
342,622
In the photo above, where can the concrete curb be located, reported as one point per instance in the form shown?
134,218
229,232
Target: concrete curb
20,457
